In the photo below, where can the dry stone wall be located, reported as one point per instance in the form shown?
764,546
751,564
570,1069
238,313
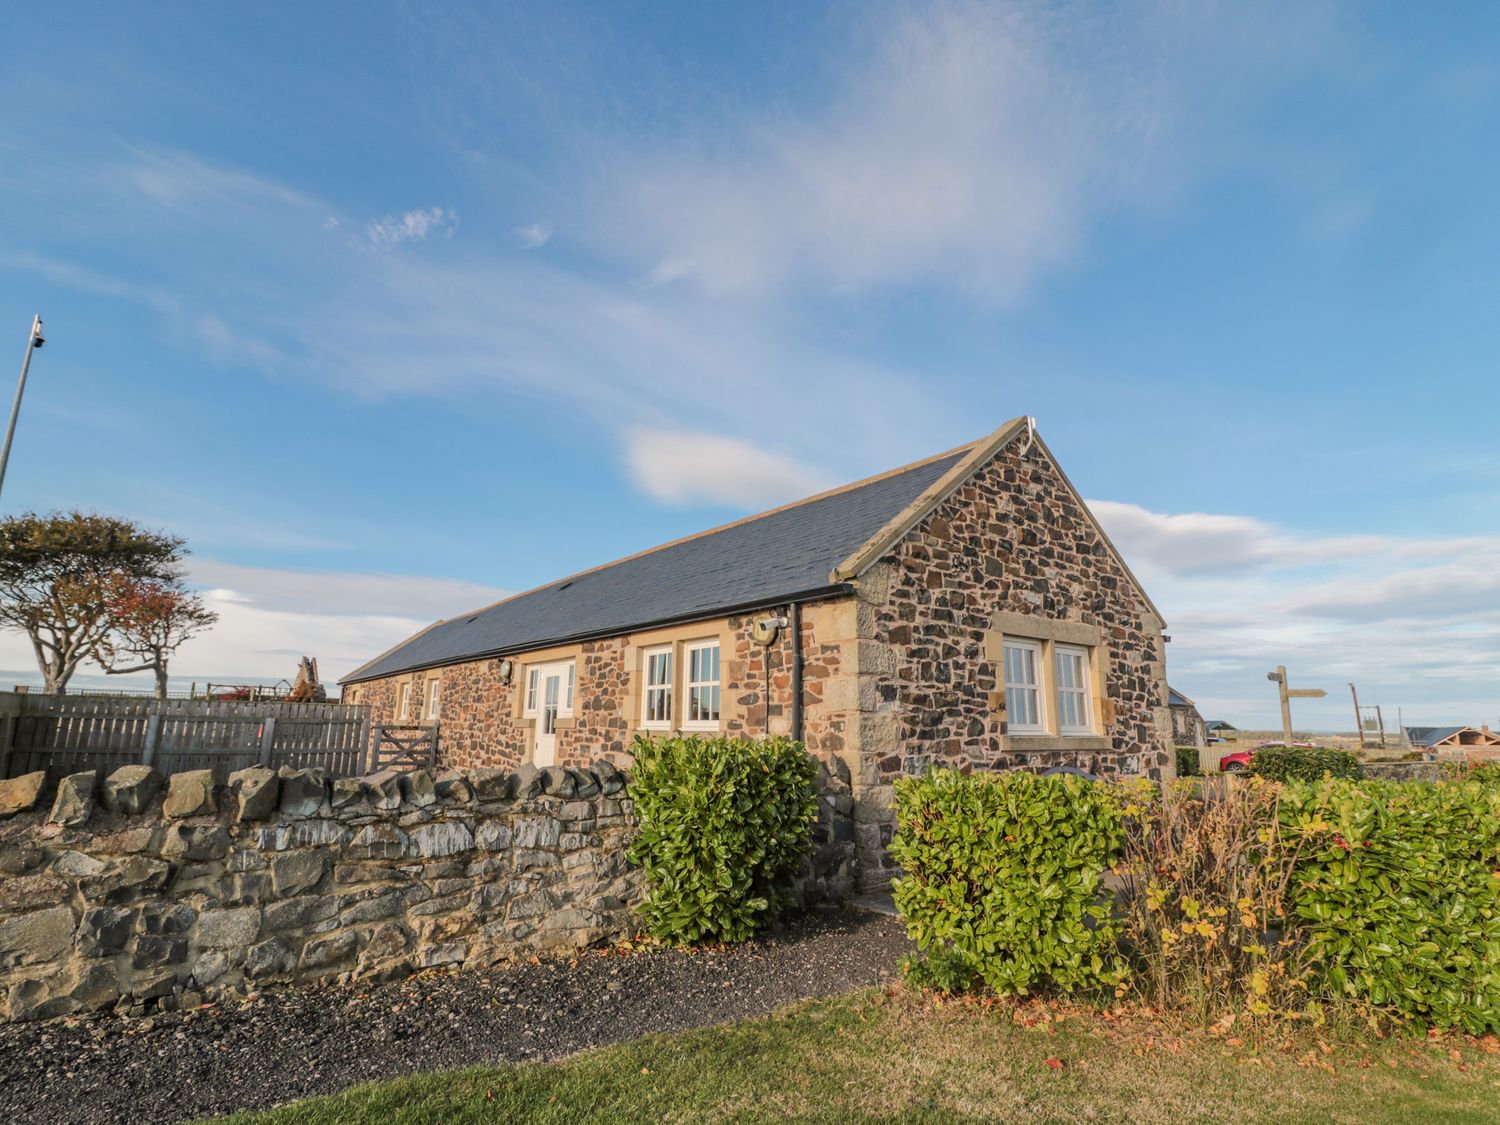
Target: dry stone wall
129,893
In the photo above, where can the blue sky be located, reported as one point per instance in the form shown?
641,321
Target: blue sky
393,308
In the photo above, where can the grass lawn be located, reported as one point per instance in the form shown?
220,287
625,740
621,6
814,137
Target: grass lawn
896,1056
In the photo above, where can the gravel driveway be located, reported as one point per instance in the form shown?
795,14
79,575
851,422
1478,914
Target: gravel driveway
291,1043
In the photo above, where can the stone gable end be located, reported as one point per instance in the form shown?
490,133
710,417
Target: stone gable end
1011,549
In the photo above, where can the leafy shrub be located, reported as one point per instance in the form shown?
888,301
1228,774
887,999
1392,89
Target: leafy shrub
1206,879
1003,875
940,970
1397,895
724,825
1187,761
1483,773
1303,763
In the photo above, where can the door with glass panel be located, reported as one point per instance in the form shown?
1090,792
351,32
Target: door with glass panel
549,696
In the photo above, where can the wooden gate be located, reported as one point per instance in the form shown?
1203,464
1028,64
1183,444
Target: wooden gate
406,746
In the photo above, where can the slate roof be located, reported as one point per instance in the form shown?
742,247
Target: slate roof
754,563
1431,736
1175,698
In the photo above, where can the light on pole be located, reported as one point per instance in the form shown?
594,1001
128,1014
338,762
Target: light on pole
33,341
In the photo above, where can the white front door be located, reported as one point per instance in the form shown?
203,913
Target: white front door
546,718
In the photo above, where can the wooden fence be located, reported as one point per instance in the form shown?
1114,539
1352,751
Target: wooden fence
65,734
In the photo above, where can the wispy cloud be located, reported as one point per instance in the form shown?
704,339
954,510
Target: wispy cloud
533,235
413,226
173,178
973,145
697,468
1415,620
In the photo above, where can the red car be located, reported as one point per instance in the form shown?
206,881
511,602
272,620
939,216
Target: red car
1239,761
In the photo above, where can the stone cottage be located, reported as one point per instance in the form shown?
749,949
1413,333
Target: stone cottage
1188,727
965,610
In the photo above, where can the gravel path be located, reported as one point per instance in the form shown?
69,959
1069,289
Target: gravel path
291,1043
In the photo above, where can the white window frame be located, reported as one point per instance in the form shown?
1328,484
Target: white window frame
1038,688
689,684
650,689
535,674
403,700
434,698
1083,692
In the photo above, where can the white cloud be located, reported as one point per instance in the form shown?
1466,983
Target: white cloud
973,145
174,178
533,235
413,226
1413,621
695,468
270,617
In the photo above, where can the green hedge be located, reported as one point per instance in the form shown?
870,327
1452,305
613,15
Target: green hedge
1003,871
1304,763
1187,761
1398,894
724,826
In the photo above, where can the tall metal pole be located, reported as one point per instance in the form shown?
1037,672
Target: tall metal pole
1359,723
33,341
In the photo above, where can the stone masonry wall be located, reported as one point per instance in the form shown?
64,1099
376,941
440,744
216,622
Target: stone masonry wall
120,898
126,895
1012,537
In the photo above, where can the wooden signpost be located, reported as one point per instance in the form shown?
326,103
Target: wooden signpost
1288,694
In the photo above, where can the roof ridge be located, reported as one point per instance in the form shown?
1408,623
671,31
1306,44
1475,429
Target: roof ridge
825,494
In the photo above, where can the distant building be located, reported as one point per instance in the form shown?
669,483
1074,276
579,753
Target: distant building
1188,727
1219,726
1453,738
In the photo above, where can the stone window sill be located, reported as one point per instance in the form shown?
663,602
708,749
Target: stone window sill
1035,742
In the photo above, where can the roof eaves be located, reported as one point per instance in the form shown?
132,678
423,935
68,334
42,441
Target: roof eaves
374,660
358,676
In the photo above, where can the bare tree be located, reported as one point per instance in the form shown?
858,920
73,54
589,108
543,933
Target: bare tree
149,621
60,577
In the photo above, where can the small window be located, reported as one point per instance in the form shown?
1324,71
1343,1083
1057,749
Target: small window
1071,667
434,690
1023,688
702,686
549,686
403,699
657,696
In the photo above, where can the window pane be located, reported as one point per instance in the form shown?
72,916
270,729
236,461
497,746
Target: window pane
703,684
1022,700
659,687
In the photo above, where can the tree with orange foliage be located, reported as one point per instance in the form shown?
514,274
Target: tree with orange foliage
149,621
60,577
